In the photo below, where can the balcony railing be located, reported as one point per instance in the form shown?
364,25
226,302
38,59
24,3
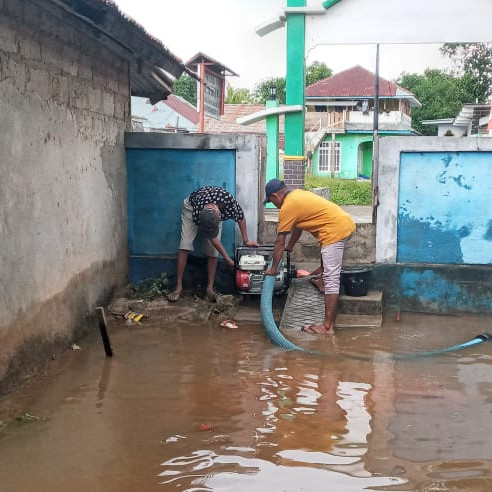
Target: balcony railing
339,119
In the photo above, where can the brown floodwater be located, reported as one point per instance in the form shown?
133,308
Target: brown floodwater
190,406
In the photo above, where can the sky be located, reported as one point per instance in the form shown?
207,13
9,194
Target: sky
225,31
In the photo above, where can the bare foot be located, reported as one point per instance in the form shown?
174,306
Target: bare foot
211,295
316,330
173,296
318,283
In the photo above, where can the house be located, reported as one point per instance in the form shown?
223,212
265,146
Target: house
339,121
67,71
472,121
173,114
227,123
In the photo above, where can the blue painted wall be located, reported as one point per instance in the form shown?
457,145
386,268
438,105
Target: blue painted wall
444,208
158,182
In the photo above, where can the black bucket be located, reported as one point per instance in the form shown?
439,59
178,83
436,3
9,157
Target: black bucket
355,280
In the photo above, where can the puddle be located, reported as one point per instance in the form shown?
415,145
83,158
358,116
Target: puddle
191,406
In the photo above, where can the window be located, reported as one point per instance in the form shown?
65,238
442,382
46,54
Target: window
324,157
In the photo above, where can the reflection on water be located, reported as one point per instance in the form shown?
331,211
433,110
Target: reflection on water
205,470
198,408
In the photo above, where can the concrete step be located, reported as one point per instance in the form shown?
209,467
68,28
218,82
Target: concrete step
358,321
372,304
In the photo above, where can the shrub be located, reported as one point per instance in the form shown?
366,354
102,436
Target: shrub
343,191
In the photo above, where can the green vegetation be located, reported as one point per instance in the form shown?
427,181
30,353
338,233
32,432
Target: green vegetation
343,191
442,96
317,71
237,96
185,87
472,62
443,93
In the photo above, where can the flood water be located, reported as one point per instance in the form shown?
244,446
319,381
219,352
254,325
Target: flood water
194,407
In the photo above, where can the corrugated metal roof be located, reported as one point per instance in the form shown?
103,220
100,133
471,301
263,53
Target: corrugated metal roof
153,67
171,114
216,66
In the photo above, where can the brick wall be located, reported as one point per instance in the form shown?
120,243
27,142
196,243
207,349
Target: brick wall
294,173
64,106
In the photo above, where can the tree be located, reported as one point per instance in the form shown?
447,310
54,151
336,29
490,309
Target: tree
261,91
317,71
442,96
186,87
473,63
314,72
237,96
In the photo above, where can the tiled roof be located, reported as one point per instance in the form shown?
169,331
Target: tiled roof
353,82
182,107
227,122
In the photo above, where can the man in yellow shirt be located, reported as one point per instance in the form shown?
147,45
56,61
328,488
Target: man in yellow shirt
302,210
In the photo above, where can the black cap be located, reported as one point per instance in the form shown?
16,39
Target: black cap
271,187
208,222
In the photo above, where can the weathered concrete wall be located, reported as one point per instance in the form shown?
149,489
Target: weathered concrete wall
391,150
163,169
359,250
64,106
446,199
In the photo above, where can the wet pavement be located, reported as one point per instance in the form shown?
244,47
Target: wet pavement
188,405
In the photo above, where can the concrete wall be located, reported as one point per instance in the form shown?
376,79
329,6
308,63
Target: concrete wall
64,106
435,194
440,261
163,169
359,250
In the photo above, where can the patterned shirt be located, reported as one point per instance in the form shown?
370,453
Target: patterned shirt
229,208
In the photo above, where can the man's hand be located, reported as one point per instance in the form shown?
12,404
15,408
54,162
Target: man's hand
269,271
230,262
251,244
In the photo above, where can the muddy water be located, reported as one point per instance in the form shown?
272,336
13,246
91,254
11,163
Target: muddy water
192,406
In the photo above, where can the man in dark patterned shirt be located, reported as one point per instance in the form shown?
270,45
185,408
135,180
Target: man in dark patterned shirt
205,210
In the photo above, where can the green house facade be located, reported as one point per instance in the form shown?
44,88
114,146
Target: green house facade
340,117
353,154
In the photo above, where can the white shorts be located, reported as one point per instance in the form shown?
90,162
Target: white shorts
189,231
332,256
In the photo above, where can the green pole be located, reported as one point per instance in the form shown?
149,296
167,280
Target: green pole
329,3
295,80
272,142
271,145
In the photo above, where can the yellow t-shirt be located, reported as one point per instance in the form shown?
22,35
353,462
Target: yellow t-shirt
325,220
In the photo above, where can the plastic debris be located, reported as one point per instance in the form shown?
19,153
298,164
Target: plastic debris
205,427
227,323
133,317
174,438
74,346
27,417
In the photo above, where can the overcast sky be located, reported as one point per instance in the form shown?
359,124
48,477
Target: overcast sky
225,30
